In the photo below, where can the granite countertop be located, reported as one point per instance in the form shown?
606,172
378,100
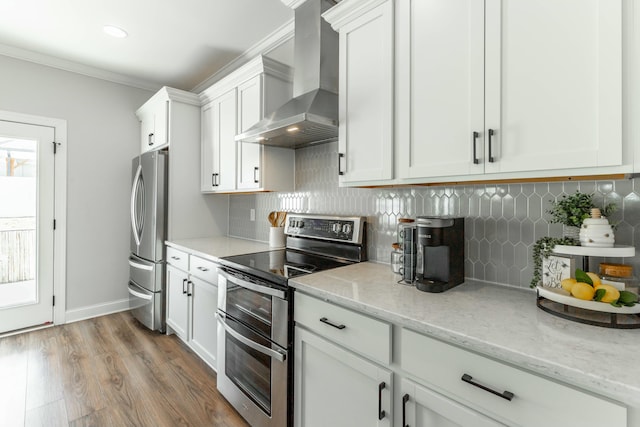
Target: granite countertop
213,248
497,321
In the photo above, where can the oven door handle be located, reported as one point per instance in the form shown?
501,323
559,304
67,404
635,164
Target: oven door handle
253,286
279,355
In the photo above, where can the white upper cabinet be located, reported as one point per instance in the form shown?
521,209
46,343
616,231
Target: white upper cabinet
365,135
440,87
230,107
502,86
553,84
156,117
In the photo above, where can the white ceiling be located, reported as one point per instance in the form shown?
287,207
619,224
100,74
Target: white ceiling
178,43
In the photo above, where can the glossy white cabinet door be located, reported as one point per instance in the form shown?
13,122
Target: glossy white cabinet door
553,84
249,113
366,96
204,303
224,145
440,86
336,388
422,407
178,301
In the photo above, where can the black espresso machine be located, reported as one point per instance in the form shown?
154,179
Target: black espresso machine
439,252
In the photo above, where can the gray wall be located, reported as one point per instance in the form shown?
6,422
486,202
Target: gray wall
502,221
103,134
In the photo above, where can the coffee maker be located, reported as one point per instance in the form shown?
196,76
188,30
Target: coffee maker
440,253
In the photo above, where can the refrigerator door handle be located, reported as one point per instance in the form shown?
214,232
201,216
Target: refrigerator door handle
140,295
135,225
134,264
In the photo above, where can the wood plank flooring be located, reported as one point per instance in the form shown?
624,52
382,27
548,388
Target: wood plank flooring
107,371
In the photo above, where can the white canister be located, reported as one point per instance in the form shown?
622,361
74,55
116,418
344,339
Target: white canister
596,231
276,237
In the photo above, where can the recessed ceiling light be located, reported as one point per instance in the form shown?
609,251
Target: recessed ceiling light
292,129
114,31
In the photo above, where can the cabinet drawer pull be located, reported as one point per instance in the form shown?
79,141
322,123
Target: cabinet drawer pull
405,399
340,157
381,412
255,172
177,258
491,158
151,139
330,323
475,154
505,394
184,286
202,268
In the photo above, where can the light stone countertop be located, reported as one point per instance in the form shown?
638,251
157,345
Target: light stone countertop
213,248
497,321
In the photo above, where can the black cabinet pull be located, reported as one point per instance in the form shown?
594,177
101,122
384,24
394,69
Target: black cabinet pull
184,286
255,171
405,399
202,268
340,157
507,395
214,179
475,155
491,158
189,283
330,323
151,139
381,412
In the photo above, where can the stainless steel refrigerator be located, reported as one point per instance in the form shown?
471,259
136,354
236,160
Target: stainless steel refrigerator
148,233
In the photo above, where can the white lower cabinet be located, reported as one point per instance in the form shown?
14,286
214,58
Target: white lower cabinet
346,374
192,300
335,387
422,407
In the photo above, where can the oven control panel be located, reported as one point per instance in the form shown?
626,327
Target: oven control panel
344,229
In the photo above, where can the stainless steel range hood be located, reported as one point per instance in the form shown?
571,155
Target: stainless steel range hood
311,117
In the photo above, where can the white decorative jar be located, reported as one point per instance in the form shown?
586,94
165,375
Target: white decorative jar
596,231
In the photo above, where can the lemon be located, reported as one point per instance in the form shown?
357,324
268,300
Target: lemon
583,291
568,283
595,279
611,295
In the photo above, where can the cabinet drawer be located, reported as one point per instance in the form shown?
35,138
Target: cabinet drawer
204,269
178,258
536,401
353,330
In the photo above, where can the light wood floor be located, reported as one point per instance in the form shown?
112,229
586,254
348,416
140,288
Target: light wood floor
107,371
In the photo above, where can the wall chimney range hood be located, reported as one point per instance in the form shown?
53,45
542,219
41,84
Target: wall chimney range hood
311,117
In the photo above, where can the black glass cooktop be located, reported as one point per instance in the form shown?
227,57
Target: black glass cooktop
282,264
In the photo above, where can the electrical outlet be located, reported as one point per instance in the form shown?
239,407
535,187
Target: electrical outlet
252,215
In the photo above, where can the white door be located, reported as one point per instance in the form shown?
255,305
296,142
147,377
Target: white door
26,225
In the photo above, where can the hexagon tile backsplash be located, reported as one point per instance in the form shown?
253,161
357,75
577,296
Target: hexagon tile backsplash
502,220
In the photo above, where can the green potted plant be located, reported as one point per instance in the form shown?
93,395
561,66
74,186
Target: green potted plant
569,211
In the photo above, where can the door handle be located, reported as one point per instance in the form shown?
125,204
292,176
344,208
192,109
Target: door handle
405,399
474,141
140,266
151,139
184,286
491,158
140,295
381,412
507,395
255,171
330,323
189,285
340,157
280,356
134,193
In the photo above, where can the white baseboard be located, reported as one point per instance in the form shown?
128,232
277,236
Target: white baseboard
96,310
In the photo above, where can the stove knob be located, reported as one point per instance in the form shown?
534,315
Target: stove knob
336,227
300,224
346,228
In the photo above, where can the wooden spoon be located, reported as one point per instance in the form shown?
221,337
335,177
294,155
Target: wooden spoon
273,219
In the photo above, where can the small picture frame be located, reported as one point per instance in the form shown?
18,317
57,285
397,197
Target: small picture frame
555,268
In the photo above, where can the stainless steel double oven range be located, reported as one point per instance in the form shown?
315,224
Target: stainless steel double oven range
255,312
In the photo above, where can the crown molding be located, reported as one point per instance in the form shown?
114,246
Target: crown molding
75,67
269,43
347,10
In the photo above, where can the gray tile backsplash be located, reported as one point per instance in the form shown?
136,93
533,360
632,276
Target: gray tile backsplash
502,220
